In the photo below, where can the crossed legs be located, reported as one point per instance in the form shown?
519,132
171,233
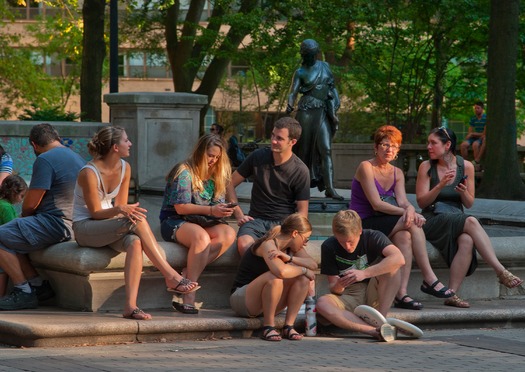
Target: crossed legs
331,310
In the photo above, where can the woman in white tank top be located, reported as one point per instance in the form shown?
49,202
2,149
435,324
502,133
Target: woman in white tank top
102,217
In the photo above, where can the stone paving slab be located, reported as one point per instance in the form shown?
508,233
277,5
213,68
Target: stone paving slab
436,351
485,342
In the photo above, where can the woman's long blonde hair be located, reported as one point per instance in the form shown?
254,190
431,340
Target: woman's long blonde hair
197,165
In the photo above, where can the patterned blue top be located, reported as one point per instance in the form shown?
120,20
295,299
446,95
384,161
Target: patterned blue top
6,164
179,191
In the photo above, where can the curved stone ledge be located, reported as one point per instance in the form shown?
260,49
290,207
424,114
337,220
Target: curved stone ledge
92,279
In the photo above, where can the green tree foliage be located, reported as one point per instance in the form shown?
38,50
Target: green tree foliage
47,114
60,37
23,80
502,182
416,58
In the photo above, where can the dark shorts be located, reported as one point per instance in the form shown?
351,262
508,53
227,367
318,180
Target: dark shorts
472,140
169,227
257,227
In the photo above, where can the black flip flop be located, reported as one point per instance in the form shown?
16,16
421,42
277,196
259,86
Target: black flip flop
185,308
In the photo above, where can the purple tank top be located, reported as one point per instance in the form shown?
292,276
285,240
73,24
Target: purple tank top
359,202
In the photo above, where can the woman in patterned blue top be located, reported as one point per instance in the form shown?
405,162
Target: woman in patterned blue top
197,187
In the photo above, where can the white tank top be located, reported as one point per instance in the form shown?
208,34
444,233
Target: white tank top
80,210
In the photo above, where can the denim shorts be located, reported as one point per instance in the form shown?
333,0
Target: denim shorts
169,227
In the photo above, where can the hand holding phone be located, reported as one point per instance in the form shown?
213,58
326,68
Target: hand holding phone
464,179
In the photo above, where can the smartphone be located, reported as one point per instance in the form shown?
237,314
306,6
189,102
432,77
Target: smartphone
463,179
231,205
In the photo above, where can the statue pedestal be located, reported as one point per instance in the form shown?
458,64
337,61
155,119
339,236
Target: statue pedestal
327,205
321,211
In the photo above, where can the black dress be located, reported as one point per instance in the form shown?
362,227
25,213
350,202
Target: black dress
443,230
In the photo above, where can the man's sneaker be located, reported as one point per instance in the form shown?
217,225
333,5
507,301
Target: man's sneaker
19,300
388,332
43,292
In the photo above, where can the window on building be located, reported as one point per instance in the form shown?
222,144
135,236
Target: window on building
157,65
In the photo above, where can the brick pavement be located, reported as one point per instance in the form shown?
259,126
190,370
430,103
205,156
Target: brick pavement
438,350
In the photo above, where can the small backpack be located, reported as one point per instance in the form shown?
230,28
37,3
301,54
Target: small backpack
234,152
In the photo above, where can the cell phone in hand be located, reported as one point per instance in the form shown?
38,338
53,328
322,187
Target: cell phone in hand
231,205
463,179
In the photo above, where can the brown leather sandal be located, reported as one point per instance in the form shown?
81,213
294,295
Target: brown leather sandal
456,302
507,279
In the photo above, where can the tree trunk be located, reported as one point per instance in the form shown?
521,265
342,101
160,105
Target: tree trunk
93,54
502,172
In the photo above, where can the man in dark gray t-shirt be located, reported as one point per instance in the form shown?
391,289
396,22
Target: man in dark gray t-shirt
281,184
46,217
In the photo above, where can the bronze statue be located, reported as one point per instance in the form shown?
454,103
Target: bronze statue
316,112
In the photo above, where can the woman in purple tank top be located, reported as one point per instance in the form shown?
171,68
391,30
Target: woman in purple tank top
375,185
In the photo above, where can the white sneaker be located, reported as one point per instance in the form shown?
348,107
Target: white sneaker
388,332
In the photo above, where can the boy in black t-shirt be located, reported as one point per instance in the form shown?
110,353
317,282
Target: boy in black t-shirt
362,267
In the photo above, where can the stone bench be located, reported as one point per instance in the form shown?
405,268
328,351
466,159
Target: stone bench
90,279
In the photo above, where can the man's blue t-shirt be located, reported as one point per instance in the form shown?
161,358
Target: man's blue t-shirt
56,171
478,125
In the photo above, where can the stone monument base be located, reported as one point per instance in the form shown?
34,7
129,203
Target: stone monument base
327,205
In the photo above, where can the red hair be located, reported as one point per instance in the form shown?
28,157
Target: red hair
389,132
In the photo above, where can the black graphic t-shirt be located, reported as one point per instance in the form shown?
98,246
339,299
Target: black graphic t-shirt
335,260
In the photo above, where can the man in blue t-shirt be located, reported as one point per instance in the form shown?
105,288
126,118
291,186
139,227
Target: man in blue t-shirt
46,218
476,135
362,268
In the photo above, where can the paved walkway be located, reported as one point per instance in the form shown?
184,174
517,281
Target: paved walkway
48,326
500,350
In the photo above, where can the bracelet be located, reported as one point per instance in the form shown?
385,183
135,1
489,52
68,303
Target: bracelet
291,258
305,270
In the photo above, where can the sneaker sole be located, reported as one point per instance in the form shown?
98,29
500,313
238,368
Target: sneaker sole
388,333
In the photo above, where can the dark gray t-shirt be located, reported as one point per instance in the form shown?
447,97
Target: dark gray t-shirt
276,188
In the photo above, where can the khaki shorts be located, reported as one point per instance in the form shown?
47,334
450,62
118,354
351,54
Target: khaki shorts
114,232
358,294
238,303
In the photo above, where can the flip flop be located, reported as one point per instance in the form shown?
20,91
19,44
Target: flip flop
185,308
137,314
183,282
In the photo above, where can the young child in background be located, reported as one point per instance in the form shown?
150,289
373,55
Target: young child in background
12,191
